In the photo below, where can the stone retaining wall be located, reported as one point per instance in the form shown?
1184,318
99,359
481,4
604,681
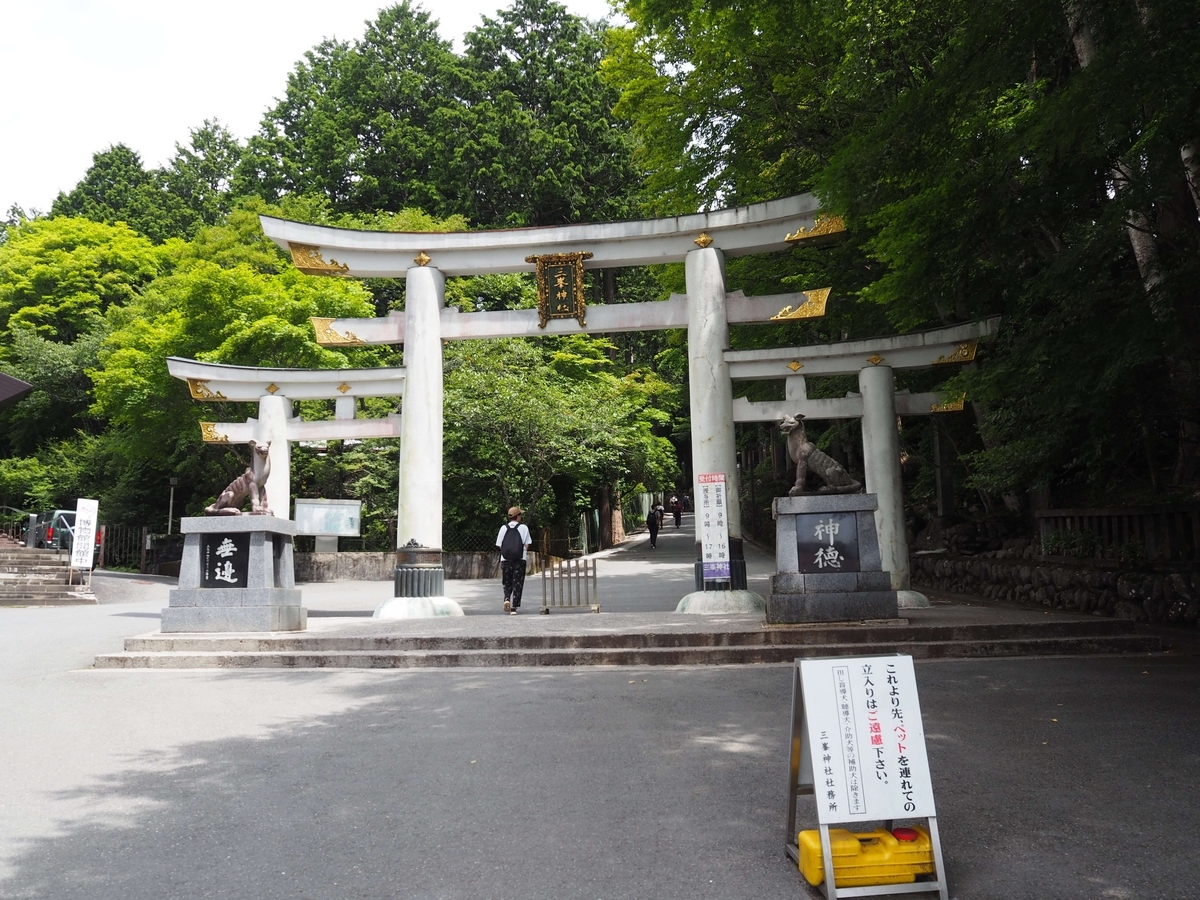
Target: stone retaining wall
325,567
1102,589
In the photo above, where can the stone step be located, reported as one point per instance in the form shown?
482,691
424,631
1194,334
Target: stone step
38,586
807,636
78,598
54,576
620,656
42,557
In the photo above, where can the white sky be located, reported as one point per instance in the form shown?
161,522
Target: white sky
84,74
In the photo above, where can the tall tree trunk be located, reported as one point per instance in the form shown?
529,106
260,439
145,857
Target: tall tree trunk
606,524
1190,154
1145,250
1141,238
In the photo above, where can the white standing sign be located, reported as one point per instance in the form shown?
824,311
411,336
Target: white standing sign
84,546
714,526
858,747
863,725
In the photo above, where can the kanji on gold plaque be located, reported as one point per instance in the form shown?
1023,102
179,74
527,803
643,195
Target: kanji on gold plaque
560,286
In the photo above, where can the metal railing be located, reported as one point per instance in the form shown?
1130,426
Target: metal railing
570,583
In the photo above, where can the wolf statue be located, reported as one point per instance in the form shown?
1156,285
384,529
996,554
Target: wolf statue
252,483
806,456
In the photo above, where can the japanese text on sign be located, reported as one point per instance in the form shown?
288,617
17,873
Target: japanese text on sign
863,721
711,512
84,547
224,560
827,543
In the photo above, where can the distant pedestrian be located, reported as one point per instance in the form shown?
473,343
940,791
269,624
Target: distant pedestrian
676,510
513,541
652,523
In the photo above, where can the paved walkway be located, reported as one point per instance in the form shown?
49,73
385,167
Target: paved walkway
1072,779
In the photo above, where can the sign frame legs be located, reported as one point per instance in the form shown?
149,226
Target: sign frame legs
801,781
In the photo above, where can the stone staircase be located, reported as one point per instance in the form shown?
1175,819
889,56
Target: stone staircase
745,644
31,577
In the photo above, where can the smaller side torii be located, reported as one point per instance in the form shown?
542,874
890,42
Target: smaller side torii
274,390
877,403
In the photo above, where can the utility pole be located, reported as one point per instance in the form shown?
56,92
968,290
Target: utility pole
171,505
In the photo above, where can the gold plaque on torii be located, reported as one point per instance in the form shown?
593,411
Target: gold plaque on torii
560,286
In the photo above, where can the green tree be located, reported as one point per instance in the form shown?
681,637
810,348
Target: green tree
975,153
536,141
356,123
200,175
117,188
59,275
546,424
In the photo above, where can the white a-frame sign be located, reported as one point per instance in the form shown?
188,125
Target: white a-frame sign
858,748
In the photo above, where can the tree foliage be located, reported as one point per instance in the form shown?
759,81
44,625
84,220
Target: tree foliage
982,169
516,131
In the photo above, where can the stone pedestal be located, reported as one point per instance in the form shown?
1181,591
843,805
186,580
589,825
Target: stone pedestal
420,587
236,575
827,561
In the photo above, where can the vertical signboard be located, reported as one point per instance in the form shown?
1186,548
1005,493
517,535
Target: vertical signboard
714,526
84,546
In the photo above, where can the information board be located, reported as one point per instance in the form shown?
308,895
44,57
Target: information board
329,517
83,548
714,526
867,741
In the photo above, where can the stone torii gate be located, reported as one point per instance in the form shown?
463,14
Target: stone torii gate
877,404
702,242
275,390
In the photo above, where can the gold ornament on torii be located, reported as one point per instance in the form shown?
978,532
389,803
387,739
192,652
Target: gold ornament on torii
812,308
954,404
199,390
328,336
307,258
824,225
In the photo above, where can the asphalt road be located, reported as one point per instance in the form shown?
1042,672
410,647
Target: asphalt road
590,783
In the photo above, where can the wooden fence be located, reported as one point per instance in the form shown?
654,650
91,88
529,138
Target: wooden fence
1167,533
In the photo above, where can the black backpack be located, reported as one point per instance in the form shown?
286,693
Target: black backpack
512,547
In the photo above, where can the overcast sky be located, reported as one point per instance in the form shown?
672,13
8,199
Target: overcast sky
81,75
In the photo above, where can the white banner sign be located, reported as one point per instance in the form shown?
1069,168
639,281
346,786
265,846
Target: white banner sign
714,526
864,729
84,546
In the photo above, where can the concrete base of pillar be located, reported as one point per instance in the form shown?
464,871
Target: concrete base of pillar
912,600
848,606
418,608
721,603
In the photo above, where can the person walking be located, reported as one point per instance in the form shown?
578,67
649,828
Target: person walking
652,523
676,510
514,542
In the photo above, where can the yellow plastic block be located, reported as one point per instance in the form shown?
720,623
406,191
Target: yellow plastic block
873,857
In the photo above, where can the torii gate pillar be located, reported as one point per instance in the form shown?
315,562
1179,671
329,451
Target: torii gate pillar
713,445
420,576
881,462
273,415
